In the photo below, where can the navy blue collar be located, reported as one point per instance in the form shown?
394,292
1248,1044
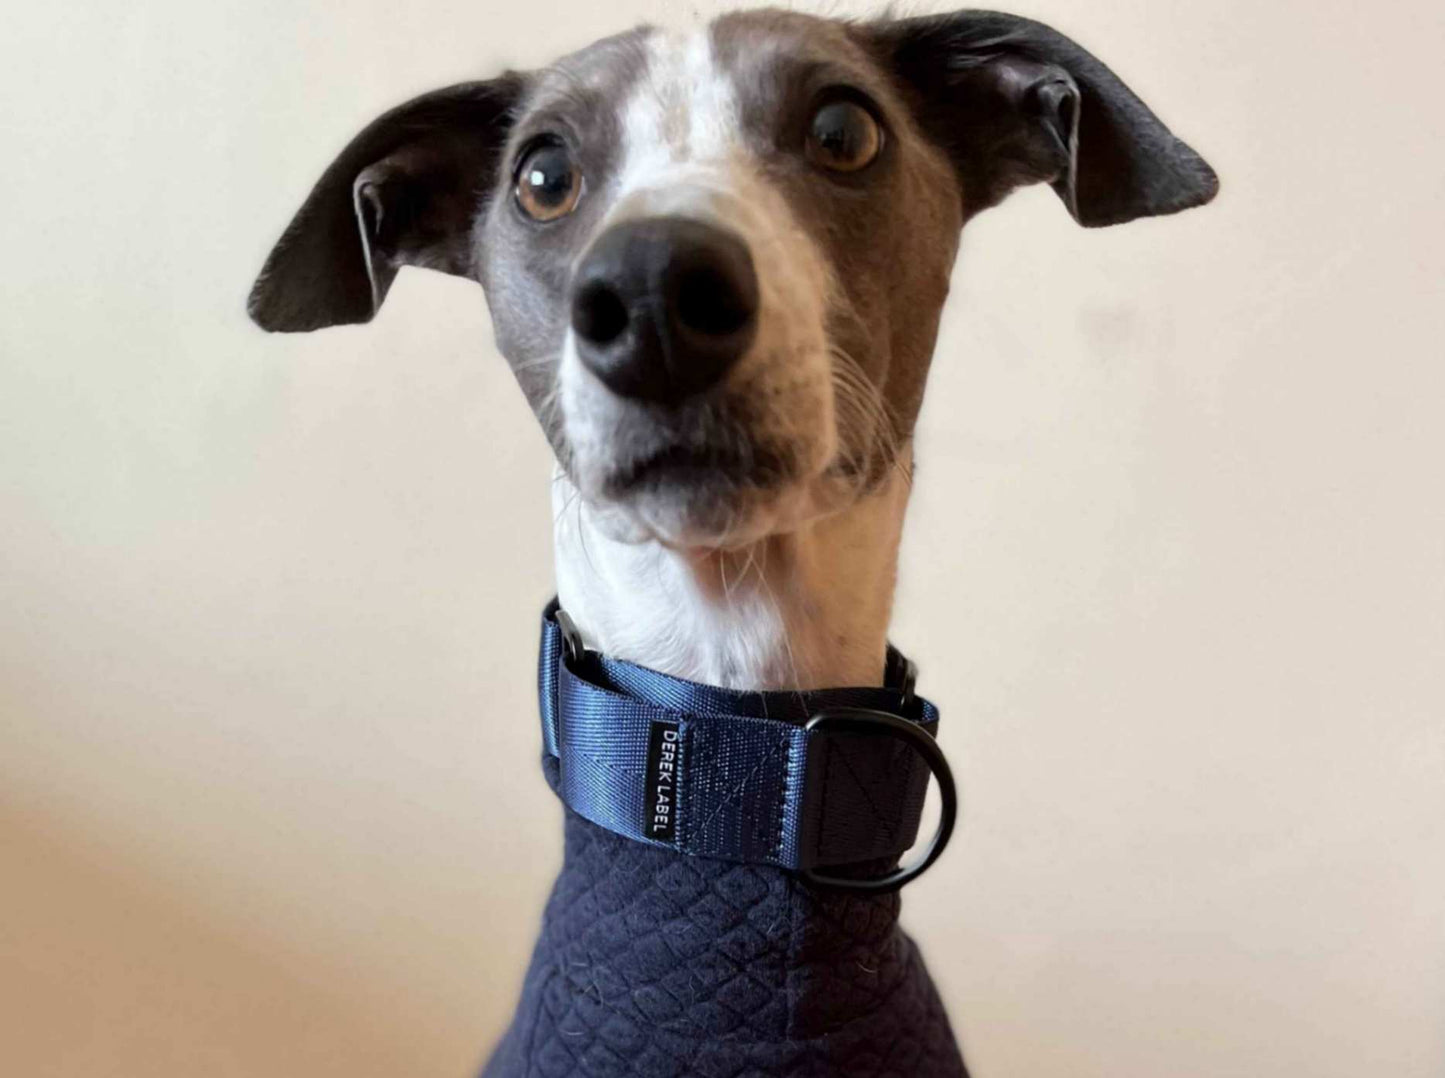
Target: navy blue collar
828,783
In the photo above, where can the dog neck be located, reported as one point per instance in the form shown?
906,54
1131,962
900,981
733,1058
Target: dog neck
805,610
683,959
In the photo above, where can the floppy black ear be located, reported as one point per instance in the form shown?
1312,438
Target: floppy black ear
1015,102
404,192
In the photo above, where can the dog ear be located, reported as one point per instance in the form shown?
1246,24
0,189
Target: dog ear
404,192
1015,102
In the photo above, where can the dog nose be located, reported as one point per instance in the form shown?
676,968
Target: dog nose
662,307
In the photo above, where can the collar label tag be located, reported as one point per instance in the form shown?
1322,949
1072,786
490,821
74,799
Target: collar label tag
664,748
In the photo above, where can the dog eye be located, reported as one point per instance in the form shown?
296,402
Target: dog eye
549,183
844,137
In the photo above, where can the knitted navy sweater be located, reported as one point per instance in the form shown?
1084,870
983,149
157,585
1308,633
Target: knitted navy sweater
652,964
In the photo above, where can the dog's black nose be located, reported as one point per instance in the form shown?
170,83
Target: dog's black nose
662,307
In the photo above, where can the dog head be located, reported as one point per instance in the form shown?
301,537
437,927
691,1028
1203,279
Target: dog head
716,262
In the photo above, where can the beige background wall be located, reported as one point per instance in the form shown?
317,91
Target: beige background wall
269,803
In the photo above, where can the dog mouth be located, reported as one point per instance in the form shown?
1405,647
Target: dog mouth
699,496
706,468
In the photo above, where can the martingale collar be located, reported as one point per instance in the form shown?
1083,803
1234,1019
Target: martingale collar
827,783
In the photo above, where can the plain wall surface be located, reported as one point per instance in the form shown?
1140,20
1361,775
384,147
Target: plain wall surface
1174,569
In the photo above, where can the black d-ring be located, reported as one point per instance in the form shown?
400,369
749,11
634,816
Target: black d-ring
572,645
853,720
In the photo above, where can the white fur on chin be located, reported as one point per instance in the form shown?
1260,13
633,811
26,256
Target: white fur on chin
802,609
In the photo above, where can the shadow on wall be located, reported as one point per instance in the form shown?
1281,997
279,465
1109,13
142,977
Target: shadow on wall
118,968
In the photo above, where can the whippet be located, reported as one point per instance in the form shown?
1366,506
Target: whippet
716,263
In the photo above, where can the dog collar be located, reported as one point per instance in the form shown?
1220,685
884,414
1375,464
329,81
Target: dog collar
827,783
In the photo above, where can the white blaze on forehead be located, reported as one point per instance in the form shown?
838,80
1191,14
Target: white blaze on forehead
683,110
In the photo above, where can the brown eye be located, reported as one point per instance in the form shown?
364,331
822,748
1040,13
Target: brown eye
844,137
549,183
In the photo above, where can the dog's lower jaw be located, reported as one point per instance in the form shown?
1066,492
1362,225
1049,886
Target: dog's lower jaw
803,608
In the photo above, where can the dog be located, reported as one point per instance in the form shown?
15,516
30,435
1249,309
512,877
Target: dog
716,263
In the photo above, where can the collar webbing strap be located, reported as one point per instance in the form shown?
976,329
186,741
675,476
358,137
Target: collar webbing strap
800,780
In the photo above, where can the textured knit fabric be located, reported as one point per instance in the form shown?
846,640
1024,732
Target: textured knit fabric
652,964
